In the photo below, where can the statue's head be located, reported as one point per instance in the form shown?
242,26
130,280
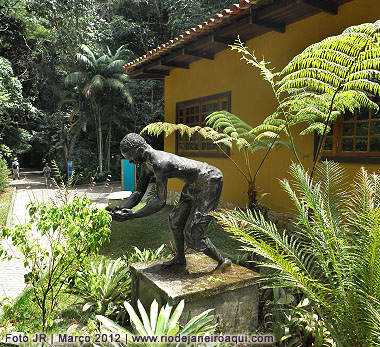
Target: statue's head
132,147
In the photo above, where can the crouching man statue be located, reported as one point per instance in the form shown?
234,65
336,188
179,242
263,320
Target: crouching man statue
200,195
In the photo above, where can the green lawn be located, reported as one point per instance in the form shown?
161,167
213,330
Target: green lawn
5,200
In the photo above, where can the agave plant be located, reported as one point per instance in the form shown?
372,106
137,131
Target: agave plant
104,287
333,258
158,324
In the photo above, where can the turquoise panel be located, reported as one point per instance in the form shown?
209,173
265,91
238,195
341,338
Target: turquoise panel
127,175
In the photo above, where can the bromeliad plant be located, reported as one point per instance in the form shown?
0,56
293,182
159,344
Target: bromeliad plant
139,256
104,287
158,323
55,242
333,258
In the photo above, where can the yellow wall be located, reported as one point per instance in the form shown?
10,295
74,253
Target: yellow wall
252,98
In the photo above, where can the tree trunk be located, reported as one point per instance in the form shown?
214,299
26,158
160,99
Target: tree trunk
100,141
252,197
99,135
108,144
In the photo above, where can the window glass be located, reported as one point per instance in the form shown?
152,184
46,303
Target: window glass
355,134
193,113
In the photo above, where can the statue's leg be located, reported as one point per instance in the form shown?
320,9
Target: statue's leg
177,221
197,240
206,200
212,252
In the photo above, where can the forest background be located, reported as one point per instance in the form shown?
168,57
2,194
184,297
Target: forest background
63,95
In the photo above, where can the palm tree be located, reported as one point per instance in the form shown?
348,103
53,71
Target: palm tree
334,256
99,78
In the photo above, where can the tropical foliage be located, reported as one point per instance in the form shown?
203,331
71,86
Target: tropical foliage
62,239
104,287
40,41
337,74
333,258
99,79
159,323
4,174
144,255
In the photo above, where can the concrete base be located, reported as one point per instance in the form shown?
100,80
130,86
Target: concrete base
232,294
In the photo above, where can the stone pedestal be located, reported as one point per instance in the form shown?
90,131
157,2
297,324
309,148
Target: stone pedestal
232,294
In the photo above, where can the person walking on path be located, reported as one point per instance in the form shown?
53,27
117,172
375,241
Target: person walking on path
16,169
47,171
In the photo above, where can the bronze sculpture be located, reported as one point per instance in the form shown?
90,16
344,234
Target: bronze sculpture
200,195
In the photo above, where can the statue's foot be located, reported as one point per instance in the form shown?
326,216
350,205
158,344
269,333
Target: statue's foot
223,266
175,261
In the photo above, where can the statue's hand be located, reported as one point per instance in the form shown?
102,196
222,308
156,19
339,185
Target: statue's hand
122,214
113,209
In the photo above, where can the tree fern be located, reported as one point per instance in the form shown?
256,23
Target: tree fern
317,86
225,129
334,256
343,67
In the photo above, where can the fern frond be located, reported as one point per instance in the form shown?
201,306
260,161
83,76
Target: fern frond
250,58
319,128
313,84
345,67
222,120
169,128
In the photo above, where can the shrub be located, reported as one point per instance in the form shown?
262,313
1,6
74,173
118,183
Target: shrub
333,258
4,174
55,242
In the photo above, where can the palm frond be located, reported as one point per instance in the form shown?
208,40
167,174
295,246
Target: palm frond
78,77
332,259
87,57
98,82
115,66
120,86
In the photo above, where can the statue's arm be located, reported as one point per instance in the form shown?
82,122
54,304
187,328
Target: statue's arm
141,188
151,207
157,203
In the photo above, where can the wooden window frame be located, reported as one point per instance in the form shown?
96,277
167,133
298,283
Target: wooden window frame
199,102
337,154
